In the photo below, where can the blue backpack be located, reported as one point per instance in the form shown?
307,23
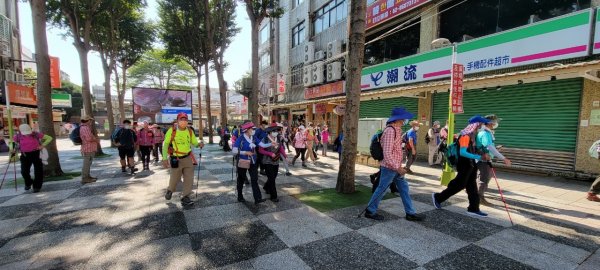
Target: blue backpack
75,136
453,153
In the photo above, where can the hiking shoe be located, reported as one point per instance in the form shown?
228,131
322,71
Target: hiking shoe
36,190
186,201
263,172
415,217
123,169
288,174
133,169
168,195
304,165
241,199
274,199
593,197
477,213
409,171
260,201
247,182
373,216
435,202
29,187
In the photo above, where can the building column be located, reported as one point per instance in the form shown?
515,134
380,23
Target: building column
430,26
595,3
587,135
424,111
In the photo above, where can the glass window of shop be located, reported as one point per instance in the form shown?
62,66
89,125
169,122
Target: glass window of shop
265,61
296,3
464,20
369,2
298,34
330,14
297,75
265,33
384,45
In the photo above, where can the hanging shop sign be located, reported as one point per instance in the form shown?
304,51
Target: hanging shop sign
21,94
55,72
340,109
280,83
320,108
550,40
597,33
457,88
61,101
325,90
384,10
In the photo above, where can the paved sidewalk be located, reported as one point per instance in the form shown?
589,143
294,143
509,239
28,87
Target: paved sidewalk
124,222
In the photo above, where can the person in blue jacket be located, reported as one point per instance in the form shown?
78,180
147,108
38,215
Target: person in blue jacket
260,135
246,146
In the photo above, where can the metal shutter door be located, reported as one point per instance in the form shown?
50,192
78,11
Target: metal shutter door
382,108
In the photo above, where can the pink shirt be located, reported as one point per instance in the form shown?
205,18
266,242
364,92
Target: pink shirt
88,140
28,143
146,137
159,136
300,139
325,136
392,148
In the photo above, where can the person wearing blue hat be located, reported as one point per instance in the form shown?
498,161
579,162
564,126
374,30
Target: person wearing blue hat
466,176
485,142
392,171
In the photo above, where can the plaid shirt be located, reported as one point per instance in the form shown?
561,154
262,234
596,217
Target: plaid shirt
392,148
159,136
88,140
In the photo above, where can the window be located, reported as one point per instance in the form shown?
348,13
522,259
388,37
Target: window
297,75
298,34
395,46
265,61
265,33
330,14
473,19
296,3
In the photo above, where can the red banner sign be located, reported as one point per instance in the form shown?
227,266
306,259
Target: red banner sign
383,10
457,88
55,72
21,94
280,83
331,89
321,108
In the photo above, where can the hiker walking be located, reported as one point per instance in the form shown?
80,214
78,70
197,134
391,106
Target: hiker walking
337,145
245,147
260,134
159,138
300,145
89,147
146,142
592,194
30,144
177,155
411,145
272,149
225,140
126,139
310,141
325,140
433,141
391,168
485,142
466,176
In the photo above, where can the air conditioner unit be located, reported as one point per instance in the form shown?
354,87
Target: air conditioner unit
5,37
20,78
307,75
7,75
309,52
320,55
334,48
334,71
4,48
317,73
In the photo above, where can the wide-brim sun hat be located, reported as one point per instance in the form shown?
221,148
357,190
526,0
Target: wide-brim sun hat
399,113
478,119
86,118
25,129
415,123
247,126
493,118
436,123
273,127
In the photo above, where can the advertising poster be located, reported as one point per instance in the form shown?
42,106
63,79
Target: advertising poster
160,106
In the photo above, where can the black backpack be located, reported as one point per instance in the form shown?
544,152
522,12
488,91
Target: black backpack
375,148
427,138
75,136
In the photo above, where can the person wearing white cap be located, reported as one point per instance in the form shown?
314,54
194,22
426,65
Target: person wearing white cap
433,141
30,143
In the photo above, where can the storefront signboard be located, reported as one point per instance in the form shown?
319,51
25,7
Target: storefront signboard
329,89
55,72
596,45
384,10
457,88
61,101
21,94
280,83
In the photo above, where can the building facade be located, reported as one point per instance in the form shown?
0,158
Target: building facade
535,66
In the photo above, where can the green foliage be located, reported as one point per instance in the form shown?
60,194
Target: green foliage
264,9
30,76
326,200
155,69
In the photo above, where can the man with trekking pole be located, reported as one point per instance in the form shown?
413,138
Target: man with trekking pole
392,171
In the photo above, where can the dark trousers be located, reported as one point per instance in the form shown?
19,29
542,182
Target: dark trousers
287,144
269,186
145,150
28,159
157,151
259,161
300,152
242,178
465,178
410,158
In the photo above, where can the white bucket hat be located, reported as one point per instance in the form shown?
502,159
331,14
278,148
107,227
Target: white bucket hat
25,129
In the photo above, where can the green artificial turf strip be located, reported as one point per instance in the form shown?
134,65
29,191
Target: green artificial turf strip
10,180
326,200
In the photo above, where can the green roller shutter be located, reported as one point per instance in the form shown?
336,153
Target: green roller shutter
382,108
536,116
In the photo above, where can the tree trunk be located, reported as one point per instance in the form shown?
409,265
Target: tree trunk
44,99
207,101
346,175
120,96
107,67
222,91
123,91
253,98
86,94
200,126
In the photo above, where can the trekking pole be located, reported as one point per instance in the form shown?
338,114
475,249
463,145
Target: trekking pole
15,173
232,166
198,175
6,171
501,195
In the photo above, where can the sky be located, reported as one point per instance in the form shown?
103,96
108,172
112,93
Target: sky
238,55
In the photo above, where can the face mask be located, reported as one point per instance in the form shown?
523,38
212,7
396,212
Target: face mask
416,128
252,132
274,134
264,126
495,126
127,127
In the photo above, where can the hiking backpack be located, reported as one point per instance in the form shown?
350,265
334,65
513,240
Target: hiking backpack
427,138
375,148
115,134
75,135
453,153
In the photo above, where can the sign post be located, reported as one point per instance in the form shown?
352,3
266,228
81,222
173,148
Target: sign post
456,93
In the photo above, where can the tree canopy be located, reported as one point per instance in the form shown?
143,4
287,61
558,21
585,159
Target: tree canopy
155,69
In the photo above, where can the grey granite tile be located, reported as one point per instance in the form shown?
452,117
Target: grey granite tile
92,190
285,203
426,198
284,259
460,226
5,198
349,217
591,262
10,228
214,199
23,210
49,196
562,232
150,227
52,186
222,171
228,245
67,220
212,217
351,251
474,257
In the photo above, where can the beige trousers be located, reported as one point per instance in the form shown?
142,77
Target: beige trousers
185,169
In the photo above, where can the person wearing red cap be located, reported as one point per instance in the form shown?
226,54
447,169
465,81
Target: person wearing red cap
177,155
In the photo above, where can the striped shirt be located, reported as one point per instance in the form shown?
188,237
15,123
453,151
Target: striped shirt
89,143
391,142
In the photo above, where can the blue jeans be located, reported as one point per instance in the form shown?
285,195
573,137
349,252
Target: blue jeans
387,176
